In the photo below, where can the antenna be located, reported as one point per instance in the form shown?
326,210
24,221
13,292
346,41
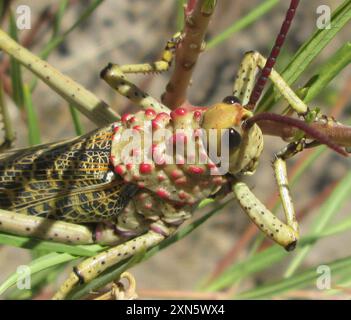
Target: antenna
266,71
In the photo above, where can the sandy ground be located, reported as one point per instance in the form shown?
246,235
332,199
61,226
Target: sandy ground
135,31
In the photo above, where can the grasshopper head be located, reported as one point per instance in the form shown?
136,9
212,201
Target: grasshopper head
244,146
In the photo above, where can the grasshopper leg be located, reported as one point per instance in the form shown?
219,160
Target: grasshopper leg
245,80
282,233
285,234
115,76
119,291
92,267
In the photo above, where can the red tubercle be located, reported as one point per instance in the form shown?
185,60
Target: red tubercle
197,115
160,120
195,170
148,205
175,174
162,116
132,119
150,113
145,168
155,125
181,181
129,166
179,112
183,195
137,128
162,193
161,178
116,129
119,169
126,117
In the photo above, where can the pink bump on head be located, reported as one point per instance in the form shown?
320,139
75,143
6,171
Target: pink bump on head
180,181
137,128
150,113
197,115
196,170
160,120
132,119
125,117
161,177
148,205
175,174
182,195
162,116
179,112
129,166
155,124
115,129
145,168
119,169
162,193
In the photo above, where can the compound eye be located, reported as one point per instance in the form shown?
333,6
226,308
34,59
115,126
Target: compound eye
234,138
231,100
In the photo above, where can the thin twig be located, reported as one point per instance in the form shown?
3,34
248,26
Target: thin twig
197,17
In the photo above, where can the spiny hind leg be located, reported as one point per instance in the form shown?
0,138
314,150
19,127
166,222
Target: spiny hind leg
58,231
45,229
115,76
246,77
285,234
92,267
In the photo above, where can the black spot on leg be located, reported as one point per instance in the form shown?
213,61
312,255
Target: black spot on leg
79,275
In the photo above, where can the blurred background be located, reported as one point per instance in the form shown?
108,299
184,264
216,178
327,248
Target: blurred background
135,31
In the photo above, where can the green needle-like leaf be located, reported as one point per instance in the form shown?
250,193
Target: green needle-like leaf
307,53
32,119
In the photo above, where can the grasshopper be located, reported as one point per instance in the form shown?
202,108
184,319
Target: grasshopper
83,190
